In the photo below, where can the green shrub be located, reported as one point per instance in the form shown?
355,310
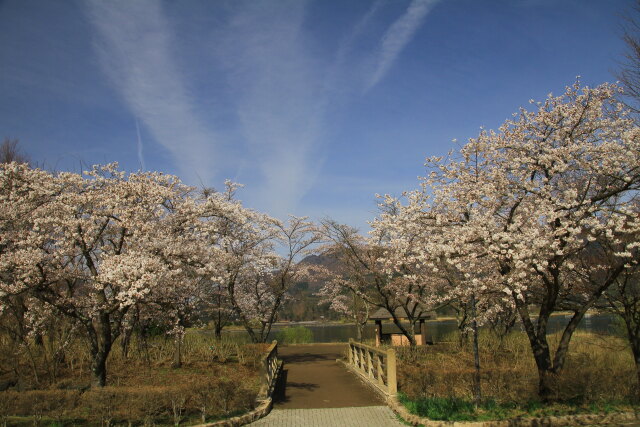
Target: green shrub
295,335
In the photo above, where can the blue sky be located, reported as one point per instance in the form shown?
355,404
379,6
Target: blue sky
315,106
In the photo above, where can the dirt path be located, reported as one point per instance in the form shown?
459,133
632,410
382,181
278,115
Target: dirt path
313,379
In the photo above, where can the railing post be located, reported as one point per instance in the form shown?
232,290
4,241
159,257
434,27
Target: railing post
269,368
377,366
392,382
370,364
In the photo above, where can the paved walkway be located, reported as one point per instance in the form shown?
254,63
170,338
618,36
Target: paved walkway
313,379
364,416
314,390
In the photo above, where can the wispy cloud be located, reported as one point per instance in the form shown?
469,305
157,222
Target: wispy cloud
347,44
282,89
397,36
139,144
134,45
272,74
279,96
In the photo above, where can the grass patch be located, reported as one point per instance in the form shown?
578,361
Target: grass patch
456,409
439,408
295,335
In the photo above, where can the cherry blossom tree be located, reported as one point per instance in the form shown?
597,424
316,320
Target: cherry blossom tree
257,278
109,250
295,239
244,239
523,204
343,298
367,279
94,247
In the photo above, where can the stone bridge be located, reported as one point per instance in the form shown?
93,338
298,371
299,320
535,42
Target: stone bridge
315,390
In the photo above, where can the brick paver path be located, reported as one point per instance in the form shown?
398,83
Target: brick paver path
364,416
317,391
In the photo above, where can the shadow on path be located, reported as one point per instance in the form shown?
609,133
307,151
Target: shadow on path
312,378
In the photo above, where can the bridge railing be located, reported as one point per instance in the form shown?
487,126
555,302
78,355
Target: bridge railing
270,369
374,364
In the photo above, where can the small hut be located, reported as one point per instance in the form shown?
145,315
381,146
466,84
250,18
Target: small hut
398,338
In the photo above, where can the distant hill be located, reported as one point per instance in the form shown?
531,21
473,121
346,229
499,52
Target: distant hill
329,262
303,303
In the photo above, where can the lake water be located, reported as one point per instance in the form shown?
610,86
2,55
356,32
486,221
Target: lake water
436,329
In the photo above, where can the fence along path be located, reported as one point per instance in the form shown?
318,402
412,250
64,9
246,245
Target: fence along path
315,390
375,365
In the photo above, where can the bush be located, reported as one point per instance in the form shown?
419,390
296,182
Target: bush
295,335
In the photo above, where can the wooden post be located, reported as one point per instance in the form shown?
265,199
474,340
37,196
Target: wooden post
369,364
378,333
423,331
379,358
392,381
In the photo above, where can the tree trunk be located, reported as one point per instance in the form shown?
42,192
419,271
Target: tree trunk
355,318
38,340
358,331
542,356
636,358
238,311
461,323
143,344
477,390
634,341
409,334
101,339
217,330
124,344
99,369
252,334
563,346
539,346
